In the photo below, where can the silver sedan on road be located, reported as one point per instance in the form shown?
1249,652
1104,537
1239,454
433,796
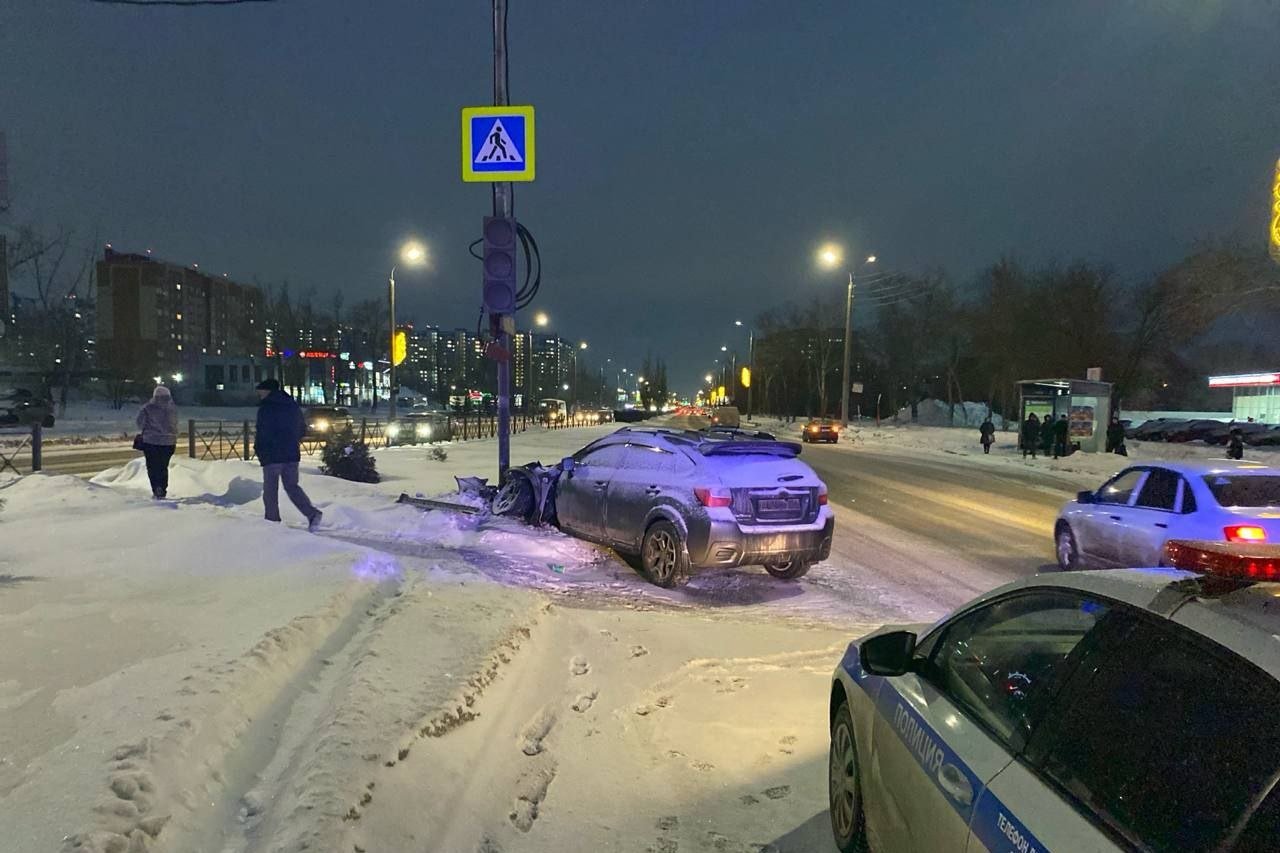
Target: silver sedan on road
1127,521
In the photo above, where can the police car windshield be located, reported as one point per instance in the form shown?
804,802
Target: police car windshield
1244,489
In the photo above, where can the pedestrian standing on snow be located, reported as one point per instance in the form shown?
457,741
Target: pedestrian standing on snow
1046,434
281,426
1030,435
158,431
1235,448
988,432
1061,429
1115,438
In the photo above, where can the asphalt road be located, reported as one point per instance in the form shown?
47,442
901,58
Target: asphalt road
1000,520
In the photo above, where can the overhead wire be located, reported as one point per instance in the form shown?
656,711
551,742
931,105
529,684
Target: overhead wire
177,2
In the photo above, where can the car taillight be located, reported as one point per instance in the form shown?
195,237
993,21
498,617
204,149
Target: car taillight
1245,533
822,496
712,497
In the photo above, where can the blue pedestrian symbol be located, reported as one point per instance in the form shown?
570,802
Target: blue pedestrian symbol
497,144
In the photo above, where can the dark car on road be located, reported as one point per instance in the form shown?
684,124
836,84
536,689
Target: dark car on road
1155,429
323,420
679,500
824,429
20,408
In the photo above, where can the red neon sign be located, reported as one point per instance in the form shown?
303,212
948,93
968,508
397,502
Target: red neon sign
316,353
1244,379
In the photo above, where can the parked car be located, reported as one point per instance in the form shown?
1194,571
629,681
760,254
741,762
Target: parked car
824,429
420,426
1269,437
322,420
1100,711
1197,429
1154,429
1222,433
1130,518
20,408
679,500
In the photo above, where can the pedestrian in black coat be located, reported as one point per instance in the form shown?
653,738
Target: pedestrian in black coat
1115,438
1030,435
988,433
281,426
1061,430
1046,435
1235,448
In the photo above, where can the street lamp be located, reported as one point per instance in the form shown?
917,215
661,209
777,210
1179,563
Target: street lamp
831,256
581,346
751,363
412,254
541,319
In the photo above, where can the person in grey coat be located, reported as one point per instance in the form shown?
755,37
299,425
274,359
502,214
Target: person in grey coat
158,429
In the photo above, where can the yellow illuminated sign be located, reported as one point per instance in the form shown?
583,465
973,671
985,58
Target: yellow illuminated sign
1275,216
720,395
399,348
746,377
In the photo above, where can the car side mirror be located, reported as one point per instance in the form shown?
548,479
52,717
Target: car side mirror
888,654
1086,498
567,464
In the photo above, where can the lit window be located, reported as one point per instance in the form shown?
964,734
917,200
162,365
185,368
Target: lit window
178,316
179,347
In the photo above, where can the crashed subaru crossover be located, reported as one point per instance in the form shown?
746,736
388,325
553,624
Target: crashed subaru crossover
678,500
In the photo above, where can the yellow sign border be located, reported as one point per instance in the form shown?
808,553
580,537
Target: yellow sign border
527,173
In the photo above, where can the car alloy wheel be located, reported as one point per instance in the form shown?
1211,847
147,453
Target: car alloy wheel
1068,552
514,499
788,570
843,788
662,554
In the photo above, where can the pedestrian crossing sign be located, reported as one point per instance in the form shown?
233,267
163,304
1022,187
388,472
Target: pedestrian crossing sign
497,144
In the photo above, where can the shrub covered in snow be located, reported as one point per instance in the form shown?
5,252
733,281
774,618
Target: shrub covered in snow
348,457
439,454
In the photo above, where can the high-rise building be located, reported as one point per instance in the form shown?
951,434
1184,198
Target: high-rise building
422,362
551,361
160,316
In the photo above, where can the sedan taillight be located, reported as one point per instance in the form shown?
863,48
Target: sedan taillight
822,496
710,497
1245,533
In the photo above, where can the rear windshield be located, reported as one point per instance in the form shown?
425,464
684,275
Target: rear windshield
1244,489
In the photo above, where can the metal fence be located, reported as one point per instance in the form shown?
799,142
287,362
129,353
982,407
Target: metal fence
14,441
217,440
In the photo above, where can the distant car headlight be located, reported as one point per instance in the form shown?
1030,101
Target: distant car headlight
813,429
423,431
393,430
320,425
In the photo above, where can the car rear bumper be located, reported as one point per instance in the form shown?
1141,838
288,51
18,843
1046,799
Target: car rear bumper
727,544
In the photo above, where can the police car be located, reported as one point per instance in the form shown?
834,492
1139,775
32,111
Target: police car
1122,710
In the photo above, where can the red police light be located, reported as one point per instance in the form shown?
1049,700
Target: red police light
1245,561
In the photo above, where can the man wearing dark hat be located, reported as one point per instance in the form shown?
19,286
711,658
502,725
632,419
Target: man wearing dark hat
280,430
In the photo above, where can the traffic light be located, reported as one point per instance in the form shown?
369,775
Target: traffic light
499,265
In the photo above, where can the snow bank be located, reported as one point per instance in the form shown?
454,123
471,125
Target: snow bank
932,412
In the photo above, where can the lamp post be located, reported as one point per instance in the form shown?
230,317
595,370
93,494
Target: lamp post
751,362
831,257
412,254
581,346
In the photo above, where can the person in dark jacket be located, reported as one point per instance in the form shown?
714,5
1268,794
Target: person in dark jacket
1046,434
281,426
1115,438
1235,447
1061,431
158,431
1030,435
988,433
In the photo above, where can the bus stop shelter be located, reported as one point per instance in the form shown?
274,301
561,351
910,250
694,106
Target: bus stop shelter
1085,402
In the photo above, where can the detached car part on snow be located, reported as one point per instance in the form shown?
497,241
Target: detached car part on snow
677,500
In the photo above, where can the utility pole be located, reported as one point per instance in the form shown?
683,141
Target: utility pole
503,206
848,349
391,349
751,365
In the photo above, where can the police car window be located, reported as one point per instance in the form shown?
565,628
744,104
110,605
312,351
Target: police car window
1160,491
1000,662
1119,490
604,457
1160,739
1263,829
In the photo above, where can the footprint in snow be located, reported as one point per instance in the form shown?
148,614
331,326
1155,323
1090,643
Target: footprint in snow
579,665
584,702
778,792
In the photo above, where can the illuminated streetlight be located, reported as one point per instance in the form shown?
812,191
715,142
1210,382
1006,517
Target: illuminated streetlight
582,345
831,256
724,349
541,319
707,378
177,377
412,254
737,322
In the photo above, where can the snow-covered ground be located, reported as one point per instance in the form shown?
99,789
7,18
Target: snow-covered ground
93,421
184,676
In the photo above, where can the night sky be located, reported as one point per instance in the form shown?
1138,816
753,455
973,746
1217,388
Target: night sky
691,154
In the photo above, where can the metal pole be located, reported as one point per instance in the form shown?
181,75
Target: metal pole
848,344
503,205
391,348
37,447
751,365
